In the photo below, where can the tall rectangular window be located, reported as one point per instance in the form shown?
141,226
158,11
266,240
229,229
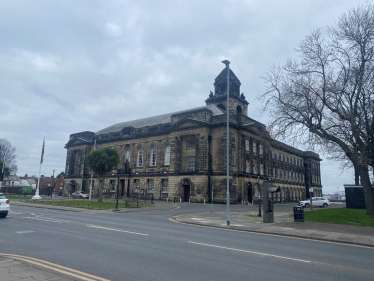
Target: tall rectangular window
140,158
191,163
254,168
153,157
246,145
167,155
254,147
233,157
247,166
127,156
165,186
260,148
151,185
261,169
112,185
136,185
191,143
274,172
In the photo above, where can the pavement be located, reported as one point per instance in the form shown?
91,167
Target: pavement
284,225
242,218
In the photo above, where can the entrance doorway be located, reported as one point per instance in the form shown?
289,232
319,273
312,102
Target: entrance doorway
187,192
122,188
250,192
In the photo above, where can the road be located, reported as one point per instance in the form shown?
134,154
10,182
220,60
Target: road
148,246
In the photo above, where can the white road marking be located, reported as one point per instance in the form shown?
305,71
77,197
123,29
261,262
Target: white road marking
246,251
46,219
25,231
198,219
95,226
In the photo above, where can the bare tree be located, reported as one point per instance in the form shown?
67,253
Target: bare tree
327,97
7,153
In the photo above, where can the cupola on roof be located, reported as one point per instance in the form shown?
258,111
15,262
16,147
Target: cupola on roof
220,83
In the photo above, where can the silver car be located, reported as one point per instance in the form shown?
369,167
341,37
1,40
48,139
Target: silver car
80,195
4,206
316,201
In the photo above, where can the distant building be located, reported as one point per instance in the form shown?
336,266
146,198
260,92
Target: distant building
32,181
182,155
59,183
11,180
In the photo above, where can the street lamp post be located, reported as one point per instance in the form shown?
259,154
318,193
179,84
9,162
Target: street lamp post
117,189
226,62
259,197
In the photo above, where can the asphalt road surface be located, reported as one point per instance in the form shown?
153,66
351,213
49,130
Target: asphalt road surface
148,246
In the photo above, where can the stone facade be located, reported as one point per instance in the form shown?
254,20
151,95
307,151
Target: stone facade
182,155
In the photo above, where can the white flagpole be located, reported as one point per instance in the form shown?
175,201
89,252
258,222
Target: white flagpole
37,196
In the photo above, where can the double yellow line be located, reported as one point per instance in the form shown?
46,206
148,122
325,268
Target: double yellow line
55,267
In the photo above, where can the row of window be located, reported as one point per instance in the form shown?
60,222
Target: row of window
151,185
284,158
316,179
254,147
254,168
152,158
291,176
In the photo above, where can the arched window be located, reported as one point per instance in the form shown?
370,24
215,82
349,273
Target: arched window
127,156
140,158
152,160
239,109
167,155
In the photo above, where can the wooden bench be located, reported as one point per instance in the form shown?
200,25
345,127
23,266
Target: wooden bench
138,202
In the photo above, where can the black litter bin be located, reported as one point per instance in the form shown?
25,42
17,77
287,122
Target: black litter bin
298,214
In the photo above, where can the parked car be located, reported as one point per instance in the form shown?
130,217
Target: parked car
80,195
59,193
316,201
4,206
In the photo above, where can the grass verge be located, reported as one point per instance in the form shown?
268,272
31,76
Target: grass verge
87,204
340,216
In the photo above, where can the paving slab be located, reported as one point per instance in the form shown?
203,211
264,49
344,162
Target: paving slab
14,270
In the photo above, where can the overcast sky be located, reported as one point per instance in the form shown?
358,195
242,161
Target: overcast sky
72,66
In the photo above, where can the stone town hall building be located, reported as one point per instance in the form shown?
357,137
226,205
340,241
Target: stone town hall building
183,155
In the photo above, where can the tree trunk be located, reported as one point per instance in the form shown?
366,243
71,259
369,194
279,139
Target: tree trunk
357,177
100,201
368,190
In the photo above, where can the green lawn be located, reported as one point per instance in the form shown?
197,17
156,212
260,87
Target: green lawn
86,204
340,216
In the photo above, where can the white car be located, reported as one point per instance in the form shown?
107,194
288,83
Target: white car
316,201
80,195
4,206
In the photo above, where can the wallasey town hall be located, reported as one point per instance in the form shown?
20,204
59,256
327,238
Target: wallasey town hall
182,155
